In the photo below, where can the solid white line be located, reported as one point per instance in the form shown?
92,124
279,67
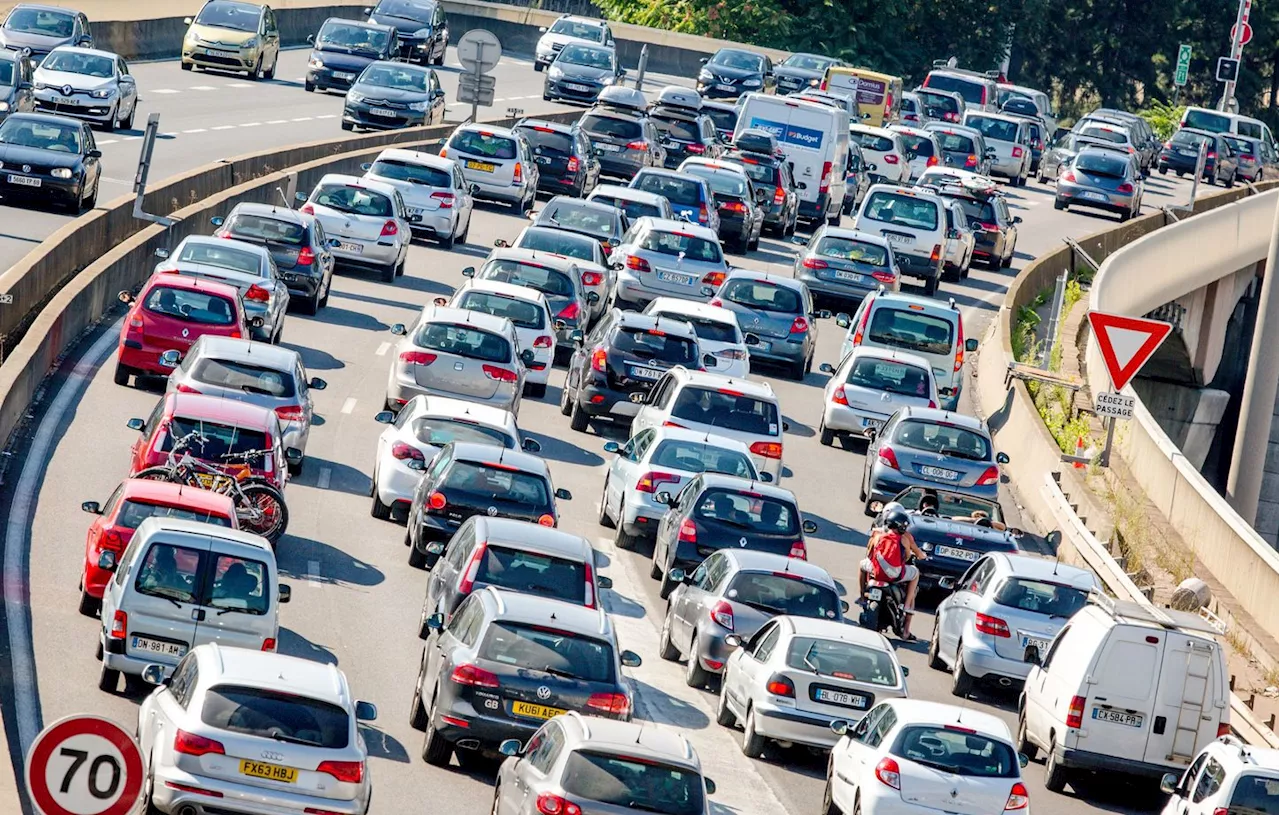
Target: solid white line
26,693
192,130
349,405
164,90
131,138
383,349
322,480
313,573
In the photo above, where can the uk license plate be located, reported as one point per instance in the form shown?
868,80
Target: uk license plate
957,554
673,277
271,772
852,277
482,166
150,646
24,181
354,248
645,373
839,697
384,112
939,472
339,75
535,711
1117,717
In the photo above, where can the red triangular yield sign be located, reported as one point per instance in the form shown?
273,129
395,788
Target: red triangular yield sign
1126,343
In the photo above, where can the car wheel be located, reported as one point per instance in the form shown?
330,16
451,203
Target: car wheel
436,749
447,243
308,86
256,73
1024,744
1059,204
935,661
1055,775
89,605
122,374
724,716
667,650
695,676
417,712
605,520
1164,171
108,679
666,584
796,371
378,509
538,391
417,560
271,74
825,436
930,286
828,803
187,66
391,271
622,540
656,569
578,419
961,680
752,742
311,305
127,124
1007,261
565,403
537,67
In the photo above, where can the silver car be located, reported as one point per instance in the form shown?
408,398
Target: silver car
498,161
268,376
87,84
665,258
1061,153
594,273
460,353
368,221
870,385
1100,178
633,204
247,266
432,188
1010,138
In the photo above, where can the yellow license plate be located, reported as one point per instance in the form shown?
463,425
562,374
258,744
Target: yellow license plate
480,165
271,772
212,482
534,711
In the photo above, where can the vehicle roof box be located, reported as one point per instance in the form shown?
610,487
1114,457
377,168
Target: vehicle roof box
673,96
624,98
756,140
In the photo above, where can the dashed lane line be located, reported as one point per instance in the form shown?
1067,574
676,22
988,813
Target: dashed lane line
383,349
322,480
349,405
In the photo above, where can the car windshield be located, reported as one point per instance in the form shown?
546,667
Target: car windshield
1182,138
1254,795
215,441
1041,597
640,784
940,101
601,58
578,218
406,10
807,62
611,126
762,295
682,244
681,129
728,410
351,37
945,439
649,344
41,134
276,715
266,229
483,143
842,660
545,140
950,504
79,62
994,129
699,457
918,145
632,209
889,376
235,16
353,200
1240,145
498,483
871,141
463,340
172,572
738,60
723,182
133,513
682,191
1104,134
838,248
550,282
395,77
413,173
532,573
762,514
190,305
239,584
578,29
541,649
956,750
243,376
222,256
910,330
521,312
1096,163
1207,120
46,22
710,330
440,430
973,93
724,119
784,593
902,210
956,142
558,242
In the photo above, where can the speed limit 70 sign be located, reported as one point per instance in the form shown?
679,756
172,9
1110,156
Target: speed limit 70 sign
84,765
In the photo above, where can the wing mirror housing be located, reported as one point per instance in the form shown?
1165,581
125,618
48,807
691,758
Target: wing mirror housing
415,465
154,675
612,447
1002,458
563,494
171,358
293,455
809,527
629,659
840,727
577,336
317,384
603,582
639,397
827,368
511,747
162,253
971,344
843,320
285,593
750,340
1031,655
257,322
734,641
708,361
136,425
531,445
766,478
1054,538
435,622
664,497
384,417
399,330
91,507
366,711
107,561
502,243
710,785
217,220
301,197
526,356
125,297
677,575
469,271
1169,784
593,297
435,548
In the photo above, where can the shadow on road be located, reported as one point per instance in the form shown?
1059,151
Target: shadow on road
295,645
303,559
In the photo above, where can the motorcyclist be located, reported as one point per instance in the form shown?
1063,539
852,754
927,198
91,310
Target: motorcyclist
887,552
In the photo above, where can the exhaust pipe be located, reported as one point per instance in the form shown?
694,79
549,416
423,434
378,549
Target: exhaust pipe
188,809
1005,682
465,744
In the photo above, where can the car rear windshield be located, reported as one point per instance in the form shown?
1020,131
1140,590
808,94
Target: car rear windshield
439,431
918,145
727,410
413,173
1241,146
682,243
267,229
852,250
911,330
219,439
940,101
908,105
842,660
235,16
641,784
667,348
353,200
538,649
763,295
760,173
533,573
589,220
972,93
872,141
483,143
975,210
890,376
994,129
945,439
489,482
546,140
722,119
611,126
700,457
1185,139
678,129
551,282
133,513
710,330
1041,597
784,593
271,715
222,256
190,306
241,376
762,514
632,209
1254,795
465,341
1099,164
1021,105
956,142
1207,120
956,750
723,183
558,242
902,210
520,312
681,191
1104,134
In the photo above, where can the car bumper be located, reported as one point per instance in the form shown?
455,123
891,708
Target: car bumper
98,111
1007,167
981,661
369,253
633,291
816,210
58,189
853,293
134,354
302,284
600,402
851,420
737,368
779,350
95,579
361,117
622,164
788,724
712,651
918,266
640,514
884,484
569,184
237,60
434,223
113,657
395,483
328,80
223,796
1101,762
402,390
481,732
711,90
1079,196
489,191
1178,163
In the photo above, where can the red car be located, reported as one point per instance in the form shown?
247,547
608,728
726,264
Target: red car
170,313
133,502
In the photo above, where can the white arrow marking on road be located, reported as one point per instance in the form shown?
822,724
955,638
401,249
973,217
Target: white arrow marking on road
1126,343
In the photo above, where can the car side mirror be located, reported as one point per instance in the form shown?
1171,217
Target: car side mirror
438,93
333,243
541,30
750,340
766,478
953,233
870,433
257,322
827,368
366,711
107,561
1054,538
577,337
531,445
311,39
384,417
1031,655
162,253
501,243
511,747
1002,458
217,220
799,241
630,659
171,359
399,330
664,497
809,527
136,425
785,425
1169,784
469,271
821,314
709,785
843,320
526,356
840,727
990,152
612,243
1017,219
593,297
436,621
844,606
872,167
947,583
154,675
317,384
91,507
563,494
677,575
435,548
639,397
124,297
603,582
187,20
474,189
703,61
734,641
416,465
612,447
971,345
293,455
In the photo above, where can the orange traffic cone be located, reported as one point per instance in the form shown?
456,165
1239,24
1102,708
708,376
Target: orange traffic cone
1079,453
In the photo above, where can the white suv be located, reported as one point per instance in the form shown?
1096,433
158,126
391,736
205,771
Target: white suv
914,221
1228,776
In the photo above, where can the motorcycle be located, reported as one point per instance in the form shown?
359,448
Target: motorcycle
884,606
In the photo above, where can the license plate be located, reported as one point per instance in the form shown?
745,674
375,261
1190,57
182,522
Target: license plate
900,240
874,594
61,100
876,423
413,210
722,87
939,472
646,373
535,711
1117,717
481,166
209,481
1187,152
852,277
1041,644
672,277
351,247
608,148
838,697
225,54
574,86
24,181
957,554
271,772
384,112
763,346
338,75
1093,196
168,649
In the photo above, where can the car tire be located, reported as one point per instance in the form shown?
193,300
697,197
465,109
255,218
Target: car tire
391,272
108,678
436,749
566,407
1007,261
378,509
127,123
665,585
90,606
1023,743
187,66
348,126
935,661
417,712
311,305
537,391
961,680
695,676
622,539
825,437
951,275
1055,775
447,243
578,419
256,73
655,568
931,287
834,220
122,374
666,649
271,74
724,716
796,371
417,560
1164,171
1231,181
537,67
1059,204
308,86
752,742
828,803
605,519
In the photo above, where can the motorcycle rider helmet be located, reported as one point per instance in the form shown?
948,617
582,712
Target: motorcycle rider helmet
895,517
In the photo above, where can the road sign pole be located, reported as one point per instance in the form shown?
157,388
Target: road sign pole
644,62
1105,459
1237,45
475,109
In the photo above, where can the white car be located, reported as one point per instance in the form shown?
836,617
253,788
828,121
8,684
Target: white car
255,732
528,311
913,757
941,176
662,459
960,242
869,386
368,220
432,188
569,29
497,161
717,328
1227,777
796,675
87,84
422,427
885,153
923,148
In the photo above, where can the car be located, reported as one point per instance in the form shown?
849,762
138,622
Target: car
419,431
342,49
390,95
952,544
724,115
719,334
633,204
1145,139
885,151
536,657
844,265
569,29
241,702
736,592
557,277
1002,605
625,139
685,131
87,84
461,353
172,311
131,503
1249,157
731,72
942,106
40,29
840,101
1118,133
1010,138
1229,776
52,159
801,72
905,756
303,254
1061,152
367,219
247,266
422,28
868,386
939,177
528,311
566,161
231,35
1180,154
580,71
1042,107
498,161
1036,125
588,251
988,219
574,762
665,258
779,311
17,88
769,169
1102,179
656,456
716,511
798,675
912,111
931,448
963,148
922,146
914,221
857,179
691,196
432,188
979,90
600,221
739,202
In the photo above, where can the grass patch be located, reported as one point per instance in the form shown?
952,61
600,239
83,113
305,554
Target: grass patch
1238,641
1271,676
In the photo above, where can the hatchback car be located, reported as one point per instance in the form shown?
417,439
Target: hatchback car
566,162
914,221
868,386
691,196
1010,138
247,266
633,204
569,29
1249,158
685,133
885,152
603,222
369,221
528,311
963,147
390,95
498,161
422,28
342,49
736,592
432,189
987,217
845,265
731,72
557,278
1182,152
230,35
17,92
739,201
95,86
588,253
43,28
912,110
724,115
51,159
924,150
779,311
1228,776
296,241
800,72
661,258
936,105
1101,179
719,334
580,71
622,134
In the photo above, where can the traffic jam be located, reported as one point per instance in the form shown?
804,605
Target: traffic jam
623,286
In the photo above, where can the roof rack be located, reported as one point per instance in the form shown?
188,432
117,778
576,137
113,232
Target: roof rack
1166,618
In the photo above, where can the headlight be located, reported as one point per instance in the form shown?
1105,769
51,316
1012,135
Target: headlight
41,86
315,62
250,44
422,32
419,106
608,80
4,106
750,83
704,75
555,73
355,98
102,93
60,172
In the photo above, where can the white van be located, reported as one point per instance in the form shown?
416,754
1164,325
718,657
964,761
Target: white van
815,138
180,584
1217,121
1124,688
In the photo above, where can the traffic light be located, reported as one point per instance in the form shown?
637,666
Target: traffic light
1227,69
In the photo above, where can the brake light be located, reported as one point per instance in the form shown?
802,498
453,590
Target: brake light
971,161
517,175
1125,188
186,389
695,148
959,346
592,278
546,520
402,452
884,277
814,263
306,257
887,773
1017,152
499,374
637,264
1069,176
799,325
798,551
543,342
598,359
417,357
573,164
348,772
839,398
713,278
445,198
688,532
990,227
951,117
234,334
1018,798
467,674
569,312
732,353
437,501
306,209
119,625
614,704
650,481
932,162
290,413
638,145
551,804
887,457
891,158
936,253
722,615
989,476
768,449
1075,712
257,294
269,644
735,206
1224,729
703,216
113,540
473,569
589,579
780,685
194,745
1210,155
779,196
825,184
389,229
986,624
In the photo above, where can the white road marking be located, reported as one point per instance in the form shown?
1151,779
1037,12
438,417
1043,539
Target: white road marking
193,130
117,181
224,127
302,119
383,349
349,405
322,480
164,90
278,122
501,99
328,116
131,138
18,542
106,141
202,88
252,124
240,84
313,573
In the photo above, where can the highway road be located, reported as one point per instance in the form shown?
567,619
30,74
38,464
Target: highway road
355,599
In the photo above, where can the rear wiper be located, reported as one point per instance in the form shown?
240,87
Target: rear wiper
255,389
642,805
558,672
295,740
809,662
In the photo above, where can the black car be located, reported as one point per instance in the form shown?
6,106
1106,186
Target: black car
597,220
391,95
1181,153
800,72
297,243
342,49
50,159
16,94
40,29
623,136
715,511
685,133
995,228
579,72
468,478
953,545
731,72
423,31
566,162
739,202
771,172
724,116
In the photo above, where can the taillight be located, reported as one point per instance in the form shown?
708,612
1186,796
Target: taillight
446,199
546,520
695,148
703,216
798,551
768,449
306,257
467,674
825,184
1210,155
572,166
891,158
839,398
592,278
813,263
191,744
570,312
936,253
884,277
1018,798
119,625
1224,729
887,457
389,229
407,452
986,624
713,278
959,346
1017,152
989,476
1075,712
951,117
637,264
187,389
887,773
257,294
417,357
650,481
234,334
932,162
599,360
269,644
551,804
1168,145
307,209
499,374
614,704
971,161
735,206
348,772
722,615
933,405
781,685
799,325
543,342
1068,176
638,145
444,152
290,413
688,532
589,580
113,540
716,301
517,175
1125,188
779,196
437,501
